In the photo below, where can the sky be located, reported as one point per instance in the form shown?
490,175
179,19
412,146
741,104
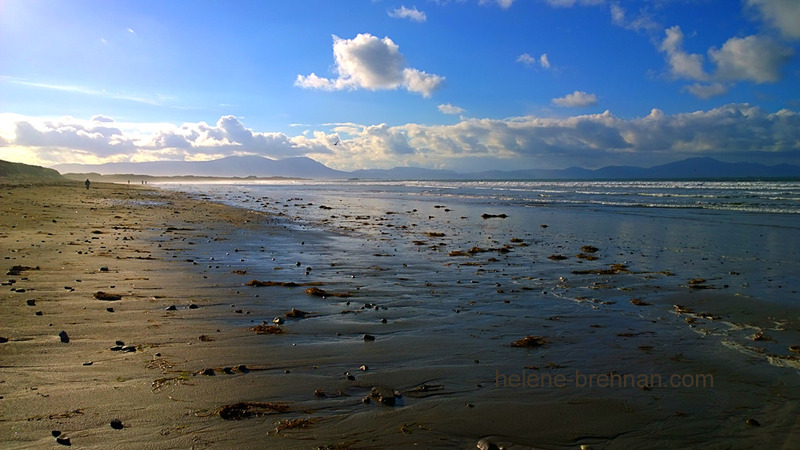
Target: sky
465,85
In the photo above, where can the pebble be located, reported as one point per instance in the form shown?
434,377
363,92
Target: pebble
486,444
64,337
31,302
88,363
753,422
383,395
129,348
278,320
120,342
369,338
171,308
39,313
110,309
116,424
193,306
63,441
3,340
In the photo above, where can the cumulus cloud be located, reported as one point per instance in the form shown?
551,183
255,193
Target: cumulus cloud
783,15
369,62
758,59
740,130
576,99
682,64
753,58
447,108
408,13
101,139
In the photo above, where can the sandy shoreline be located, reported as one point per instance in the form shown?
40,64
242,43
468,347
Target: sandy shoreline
157,248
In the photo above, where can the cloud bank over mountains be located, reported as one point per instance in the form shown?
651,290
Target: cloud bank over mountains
733,130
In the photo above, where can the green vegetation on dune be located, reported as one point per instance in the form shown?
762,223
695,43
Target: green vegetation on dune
19,170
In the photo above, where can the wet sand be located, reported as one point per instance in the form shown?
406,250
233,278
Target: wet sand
449,375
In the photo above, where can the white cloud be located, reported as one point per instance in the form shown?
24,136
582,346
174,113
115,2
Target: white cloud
505,4
408,13
576,99
571,3
447,108
682,64
707,91
781,14
101,118
544,61
526,59
753,58
530,61
372,63
592,140
642,22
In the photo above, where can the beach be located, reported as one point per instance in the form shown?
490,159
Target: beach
290,318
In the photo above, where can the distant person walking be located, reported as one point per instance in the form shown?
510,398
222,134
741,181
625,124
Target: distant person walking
87,183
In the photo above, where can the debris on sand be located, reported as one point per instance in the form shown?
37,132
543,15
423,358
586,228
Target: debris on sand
557,257
100,295
760,336
296,314
16,270
639,302
614,269
383,395
266,328
243,410
589,249
257,283
530,342
493,216
699,283
317,292
293,424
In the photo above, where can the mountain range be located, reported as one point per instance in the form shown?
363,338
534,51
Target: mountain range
303,167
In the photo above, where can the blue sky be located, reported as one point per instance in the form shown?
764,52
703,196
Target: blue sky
465,85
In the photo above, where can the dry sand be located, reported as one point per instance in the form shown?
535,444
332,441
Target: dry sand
200,377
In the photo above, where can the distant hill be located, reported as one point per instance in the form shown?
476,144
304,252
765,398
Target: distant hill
232,166
301,167
19,170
